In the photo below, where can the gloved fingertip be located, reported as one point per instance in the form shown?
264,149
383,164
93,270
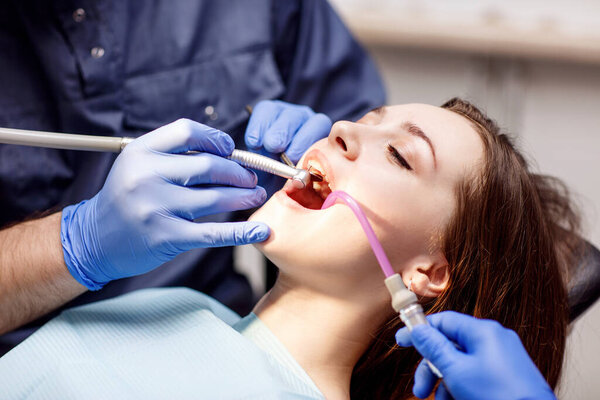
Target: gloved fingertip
275,142
254,177
252,140
424,381
262,193
259,233
225,144
419,392
403,337
323,120
294,155
258,197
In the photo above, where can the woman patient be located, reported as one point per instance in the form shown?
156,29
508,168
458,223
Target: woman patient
461,217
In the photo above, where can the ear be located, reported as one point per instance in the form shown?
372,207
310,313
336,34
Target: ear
429,275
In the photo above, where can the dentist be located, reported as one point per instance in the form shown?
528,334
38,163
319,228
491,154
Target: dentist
126,68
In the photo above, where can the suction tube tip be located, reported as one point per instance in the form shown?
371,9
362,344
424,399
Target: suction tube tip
401,296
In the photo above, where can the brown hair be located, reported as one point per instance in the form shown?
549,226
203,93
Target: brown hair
508,244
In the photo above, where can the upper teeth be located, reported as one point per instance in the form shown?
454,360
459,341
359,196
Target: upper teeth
316,167
322,188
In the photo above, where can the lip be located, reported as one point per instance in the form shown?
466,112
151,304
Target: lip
286,195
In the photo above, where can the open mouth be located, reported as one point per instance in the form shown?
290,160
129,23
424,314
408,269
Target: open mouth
313,195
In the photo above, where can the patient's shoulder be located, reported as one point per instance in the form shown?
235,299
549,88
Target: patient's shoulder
154,343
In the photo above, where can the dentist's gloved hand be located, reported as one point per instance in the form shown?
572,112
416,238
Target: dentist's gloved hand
278,127
493,364
143,216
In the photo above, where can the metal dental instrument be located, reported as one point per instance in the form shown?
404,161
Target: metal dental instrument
65,141
286,159
314,176
300,177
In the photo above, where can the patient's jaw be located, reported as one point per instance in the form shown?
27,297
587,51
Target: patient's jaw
401,164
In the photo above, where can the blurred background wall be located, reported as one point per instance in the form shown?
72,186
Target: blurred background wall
534,66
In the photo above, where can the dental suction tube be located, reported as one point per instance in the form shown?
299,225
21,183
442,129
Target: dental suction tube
404,301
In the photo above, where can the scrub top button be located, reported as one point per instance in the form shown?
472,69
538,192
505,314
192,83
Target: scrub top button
79,15
211,113
97,52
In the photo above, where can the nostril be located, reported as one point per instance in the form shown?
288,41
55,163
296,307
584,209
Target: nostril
341,142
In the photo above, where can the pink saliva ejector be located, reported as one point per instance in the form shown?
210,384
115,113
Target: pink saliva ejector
403,300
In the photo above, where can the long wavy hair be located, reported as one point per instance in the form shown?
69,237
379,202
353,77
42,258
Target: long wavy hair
509,244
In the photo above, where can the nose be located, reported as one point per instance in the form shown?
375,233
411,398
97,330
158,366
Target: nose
344,138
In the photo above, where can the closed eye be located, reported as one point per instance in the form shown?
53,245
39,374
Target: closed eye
397,157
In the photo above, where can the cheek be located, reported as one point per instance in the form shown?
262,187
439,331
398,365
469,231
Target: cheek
406,214
403,212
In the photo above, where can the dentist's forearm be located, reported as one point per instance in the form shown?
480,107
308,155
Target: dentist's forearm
34,279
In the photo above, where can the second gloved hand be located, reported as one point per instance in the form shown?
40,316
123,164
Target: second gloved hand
280,127
276,127
491,364
143,216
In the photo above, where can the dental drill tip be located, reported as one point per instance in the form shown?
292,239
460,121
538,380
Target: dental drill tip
316,177
313,175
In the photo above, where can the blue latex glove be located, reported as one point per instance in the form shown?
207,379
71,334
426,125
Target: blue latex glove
493,365
143,216
281,127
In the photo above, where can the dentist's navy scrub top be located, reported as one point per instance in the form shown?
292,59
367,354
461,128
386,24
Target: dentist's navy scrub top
125,67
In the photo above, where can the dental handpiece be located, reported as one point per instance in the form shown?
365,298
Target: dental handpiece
300,177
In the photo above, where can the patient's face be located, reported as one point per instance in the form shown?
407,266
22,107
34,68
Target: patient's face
385,162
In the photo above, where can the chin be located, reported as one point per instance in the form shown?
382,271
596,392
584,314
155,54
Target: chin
294,215
280,243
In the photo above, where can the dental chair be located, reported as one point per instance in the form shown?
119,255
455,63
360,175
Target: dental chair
584,285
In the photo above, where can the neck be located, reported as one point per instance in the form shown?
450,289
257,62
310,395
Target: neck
325,334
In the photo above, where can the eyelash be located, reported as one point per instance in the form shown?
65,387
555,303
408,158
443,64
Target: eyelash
398,157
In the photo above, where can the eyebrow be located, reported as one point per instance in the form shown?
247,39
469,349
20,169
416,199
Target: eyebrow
418,132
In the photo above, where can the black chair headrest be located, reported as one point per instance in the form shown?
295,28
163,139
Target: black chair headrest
584,284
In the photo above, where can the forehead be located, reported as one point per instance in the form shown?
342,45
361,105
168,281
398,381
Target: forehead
457,143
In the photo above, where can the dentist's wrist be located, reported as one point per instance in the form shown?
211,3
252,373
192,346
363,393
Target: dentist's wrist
74,240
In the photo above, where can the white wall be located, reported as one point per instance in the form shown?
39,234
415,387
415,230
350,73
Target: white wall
554,110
